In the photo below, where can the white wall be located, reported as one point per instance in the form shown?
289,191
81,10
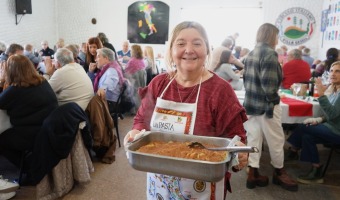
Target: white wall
33,28
71,19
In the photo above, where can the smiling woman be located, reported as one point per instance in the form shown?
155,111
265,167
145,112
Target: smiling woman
183,102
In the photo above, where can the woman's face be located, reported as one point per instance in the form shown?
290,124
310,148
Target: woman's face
189,50
334,75
93,49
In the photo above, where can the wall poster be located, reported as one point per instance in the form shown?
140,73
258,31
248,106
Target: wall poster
148,22
296,26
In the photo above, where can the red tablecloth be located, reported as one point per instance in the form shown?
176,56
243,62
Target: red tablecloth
298,108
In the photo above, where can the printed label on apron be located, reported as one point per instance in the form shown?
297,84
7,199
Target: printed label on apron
173,121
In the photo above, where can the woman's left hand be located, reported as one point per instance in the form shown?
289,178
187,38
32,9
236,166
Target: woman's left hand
101,93
320,87
242,158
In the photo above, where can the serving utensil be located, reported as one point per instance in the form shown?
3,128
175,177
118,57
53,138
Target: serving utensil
198,145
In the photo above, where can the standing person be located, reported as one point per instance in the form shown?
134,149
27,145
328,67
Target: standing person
262,80
92,45
320,130
106,43
28,100
125,53
191,88
233,37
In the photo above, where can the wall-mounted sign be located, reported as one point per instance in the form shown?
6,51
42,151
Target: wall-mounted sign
296,26
148,22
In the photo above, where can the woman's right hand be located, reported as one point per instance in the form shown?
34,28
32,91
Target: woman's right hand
131,135
92,67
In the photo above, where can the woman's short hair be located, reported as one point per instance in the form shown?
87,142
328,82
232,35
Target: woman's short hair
21,72
175,32
267,34
107,53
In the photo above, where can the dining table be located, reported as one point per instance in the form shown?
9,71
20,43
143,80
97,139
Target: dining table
294,109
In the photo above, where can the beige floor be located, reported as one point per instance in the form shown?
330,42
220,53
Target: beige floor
118,181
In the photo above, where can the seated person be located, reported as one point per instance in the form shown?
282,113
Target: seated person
28,100
68,79
125,53
28,52
295,70
2,47
225,71
216,53
320,130
46,50
135,72
306,57
108,81
331,57
75,50
11,50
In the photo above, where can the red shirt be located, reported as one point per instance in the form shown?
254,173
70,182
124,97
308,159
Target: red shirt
219,112
295,71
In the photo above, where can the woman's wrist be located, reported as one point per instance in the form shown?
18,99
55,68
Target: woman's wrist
2,82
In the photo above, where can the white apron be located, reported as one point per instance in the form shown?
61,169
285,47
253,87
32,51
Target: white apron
178,118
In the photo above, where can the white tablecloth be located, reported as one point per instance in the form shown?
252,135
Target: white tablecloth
4,121
317,112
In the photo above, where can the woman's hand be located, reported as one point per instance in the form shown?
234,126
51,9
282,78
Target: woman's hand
92,67
242,158
101,93
50,68
321,88
131,135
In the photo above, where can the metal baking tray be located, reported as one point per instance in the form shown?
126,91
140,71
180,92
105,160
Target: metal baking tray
186,168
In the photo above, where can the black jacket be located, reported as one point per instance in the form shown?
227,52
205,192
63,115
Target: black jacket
56,137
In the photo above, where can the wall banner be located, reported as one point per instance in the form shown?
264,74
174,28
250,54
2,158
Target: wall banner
296,26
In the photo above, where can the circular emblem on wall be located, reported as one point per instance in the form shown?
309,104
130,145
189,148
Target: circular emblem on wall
296,26
199,186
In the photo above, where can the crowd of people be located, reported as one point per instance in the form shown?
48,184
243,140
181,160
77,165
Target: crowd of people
34,83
